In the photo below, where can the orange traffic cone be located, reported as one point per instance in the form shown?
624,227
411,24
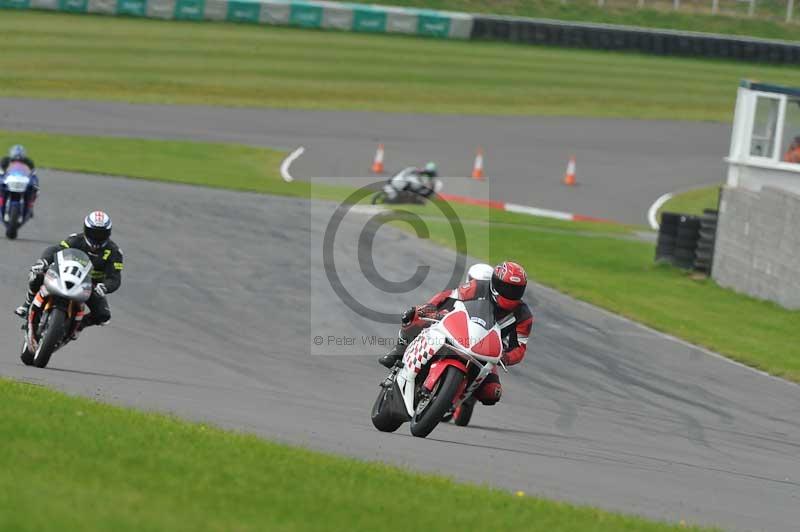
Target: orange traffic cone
569,177
377,164
477,168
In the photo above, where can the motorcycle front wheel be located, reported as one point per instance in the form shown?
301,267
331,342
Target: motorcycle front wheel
52,335
13,222
431,410
379,198
26,354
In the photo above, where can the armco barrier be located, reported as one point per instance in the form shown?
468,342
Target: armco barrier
645,40
310,14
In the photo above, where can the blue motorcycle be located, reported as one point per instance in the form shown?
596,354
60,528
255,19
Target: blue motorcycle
17,185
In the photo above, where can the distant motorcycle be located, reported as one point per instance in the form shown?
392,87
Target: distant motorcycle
406,187
16,184
58,308
442,368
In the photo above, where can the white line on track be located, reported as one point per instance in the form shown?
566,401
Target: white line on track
651,213
288,162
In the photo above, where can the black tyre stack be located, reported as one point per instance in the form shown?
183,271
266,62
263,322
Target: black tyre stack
704,254
686,243
678,235
667,235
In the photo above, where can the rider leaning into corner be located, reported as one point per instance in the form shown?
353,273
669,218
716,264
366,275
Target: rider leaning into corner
505,288
17,154
107,267
421,181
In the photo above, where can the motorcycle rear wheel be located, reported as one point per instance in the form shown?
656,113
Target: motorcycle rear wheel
433,410
464,413
13,222
53,333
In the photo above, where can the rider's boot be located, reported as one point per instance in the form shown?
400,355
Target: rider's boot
22,310
395,355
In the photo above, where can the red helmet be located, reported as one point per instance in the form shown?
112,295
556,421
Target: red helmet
508,285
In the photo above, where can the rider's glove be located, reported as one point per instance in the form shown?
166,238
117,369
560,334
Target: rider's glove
100,289
39,267
408,316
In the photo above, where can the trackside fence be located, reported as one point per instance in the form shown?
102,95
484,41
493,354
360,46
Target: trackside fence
441,24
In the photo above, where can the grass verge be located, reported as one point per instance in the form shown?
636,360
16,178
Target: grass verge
149,61
218,165
767,21
603,264
111,468
692,201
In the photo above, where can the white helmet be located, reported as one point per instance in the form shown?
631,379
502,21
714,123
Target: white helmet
96,229
479,272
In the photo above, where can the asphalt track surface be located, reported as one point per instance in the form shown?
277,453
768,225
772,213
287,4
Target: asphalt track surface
223,293
623,165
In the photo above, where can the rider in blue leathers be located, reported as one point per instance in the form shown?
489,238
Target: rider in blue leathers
17,154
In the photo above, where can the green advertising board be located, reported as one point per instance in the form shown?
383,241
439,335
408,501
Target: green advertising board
365,19
15,4
433,25
305,15
243,11
136,8
73,6
189,9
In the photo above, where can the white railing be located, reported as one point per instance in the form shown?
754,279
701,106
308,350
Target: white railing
775,9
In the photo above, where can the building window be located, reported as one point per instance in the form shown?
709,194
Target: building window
762,141
791,132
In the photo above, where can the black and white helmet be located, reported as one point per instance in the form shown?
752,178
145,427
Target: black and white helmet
97,229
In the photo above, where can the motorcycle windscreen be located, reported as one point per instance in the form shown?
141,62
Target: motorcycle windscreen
481,311
76,255
19,168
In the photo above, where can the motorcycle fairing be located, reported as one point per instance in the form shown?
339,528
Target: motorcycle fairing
461,333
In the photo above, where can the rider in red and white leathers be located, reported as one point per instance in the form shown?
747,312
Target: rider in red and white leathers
505,289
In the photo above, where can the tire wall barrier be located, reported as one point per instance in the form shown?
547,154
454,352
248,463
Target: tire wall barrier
634,39
323,15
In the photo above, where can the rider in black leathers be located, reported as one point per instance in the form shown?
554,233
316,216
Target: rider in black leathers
107,262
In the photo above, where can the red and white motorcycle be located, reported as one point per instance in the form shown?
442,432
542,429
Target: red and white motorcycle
442,368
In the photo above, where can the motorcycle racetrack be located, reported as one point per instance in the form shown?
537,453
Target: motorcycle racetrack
623,166
224,294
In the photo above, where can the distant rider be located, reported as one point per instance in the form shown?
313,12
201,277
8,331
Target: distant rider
505,289
17,154
107,264
420,181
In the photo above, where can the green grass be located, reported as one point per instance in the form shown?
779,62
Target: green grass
692,201
74,464
149,61
218,165
657,14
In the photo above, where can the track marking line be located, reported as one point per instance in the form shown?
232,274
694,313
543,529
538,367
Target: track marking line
288,162
653,210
